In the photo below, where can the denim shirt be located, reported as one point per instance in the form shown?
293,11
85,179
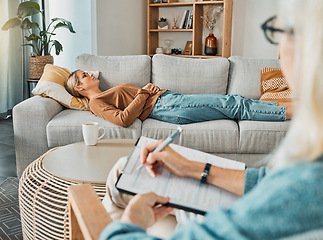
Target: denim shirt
276,204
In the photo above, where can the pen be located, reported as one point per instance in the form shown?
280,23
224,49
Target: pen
166,142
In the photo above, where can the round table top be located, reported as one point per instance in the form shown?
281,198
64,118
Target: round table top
83,163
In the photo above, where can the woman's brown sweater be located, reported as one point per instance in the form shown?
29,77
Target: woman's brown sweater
124,103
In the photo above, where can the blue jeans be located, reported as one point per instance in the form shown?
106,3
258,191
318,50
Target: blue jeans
183,109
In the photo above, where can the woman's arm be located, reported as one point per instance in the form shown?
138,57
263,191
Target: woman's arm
123,118
227,179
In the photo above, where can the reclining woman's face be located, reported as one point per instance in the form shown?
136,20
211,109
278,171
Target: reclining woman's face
87,81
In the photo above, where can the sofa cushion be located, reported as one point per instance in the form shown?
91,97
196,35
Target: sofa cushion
117,69
274,86
190,76
261,137
245,75
219,136
66,128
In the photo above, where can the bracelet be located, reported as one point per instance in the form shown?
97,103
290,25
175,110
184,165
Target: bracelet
205,173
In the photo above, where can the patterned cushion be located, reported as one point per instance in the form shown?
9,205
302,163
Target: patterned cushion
274,86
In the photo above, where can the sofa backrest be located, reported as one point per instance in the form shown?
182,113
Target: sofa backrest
236,75
245,75
190,76
117,69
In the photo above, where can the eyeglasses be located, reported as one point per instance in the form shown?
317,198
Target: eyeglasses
273,33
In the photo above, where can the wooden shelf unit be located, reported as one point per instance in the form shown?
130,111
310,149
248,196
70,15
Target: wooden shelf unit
171,30
193,56
197,29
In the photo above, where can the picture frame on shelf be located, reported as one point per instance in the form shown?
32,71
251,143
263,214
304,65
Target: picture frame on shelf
188,48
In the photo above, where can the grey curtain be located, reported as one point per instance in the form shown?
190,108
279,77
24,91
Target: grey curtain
13,61
27,50
12,89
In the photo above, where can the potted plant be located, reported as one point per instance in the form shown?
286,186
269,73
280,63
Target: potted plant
40,39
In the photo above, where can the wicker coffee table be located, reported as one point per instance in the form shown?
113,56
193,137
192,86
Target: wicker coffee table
43,185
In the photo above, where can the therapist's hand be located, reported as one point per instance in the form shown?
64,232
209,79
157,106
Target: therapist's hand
143,210
167,158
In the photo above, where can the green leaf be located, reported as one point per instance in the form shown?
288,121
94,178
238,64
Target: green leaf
60,25
27,24
28,44
26,9
43,33
58,46
11,23
32,37
63,23
33,46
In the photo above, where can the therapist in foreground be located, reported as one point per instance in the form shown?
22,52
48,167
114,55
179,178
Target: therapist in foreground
282,200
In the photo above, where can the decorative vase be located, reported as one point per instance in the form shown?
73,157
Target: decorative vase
37,64
210,45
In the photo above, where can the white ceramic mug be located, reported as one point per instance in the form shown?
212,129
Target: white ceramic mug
91,133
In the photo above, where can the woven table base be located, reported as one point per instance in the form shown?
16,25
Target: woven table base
43,203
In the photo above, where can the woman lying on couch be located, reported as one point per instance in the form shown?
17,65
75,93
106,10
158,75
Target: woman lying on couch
283,200
124,103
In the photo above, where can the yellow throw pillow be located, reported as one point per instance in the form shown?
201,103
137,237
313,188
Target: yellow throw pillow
51,85
274,86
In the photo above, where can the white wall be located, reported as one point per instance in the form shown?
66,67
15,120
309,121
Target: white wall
121,27
78,12
248,39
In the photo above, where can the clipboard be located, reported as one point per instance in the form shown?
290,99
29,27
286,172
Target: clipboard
195,197
170,204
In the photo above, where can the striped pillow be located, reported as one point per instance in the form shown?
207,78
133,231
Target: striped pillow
51,85
274,86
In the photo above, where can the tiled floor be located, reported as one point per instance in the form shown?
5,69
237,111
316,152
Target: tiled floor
7,150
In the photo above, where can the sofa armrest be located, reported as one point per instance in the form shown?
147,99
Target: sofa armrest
30,119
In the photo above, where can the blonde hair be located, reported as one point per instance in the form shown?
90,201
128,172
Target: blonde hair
304,140
71,82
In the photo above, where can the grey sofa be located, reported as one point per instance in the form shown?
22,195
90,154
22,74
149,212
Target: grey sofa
42,123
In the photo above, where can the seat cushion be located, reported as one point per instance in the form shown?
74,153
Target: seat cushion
219,136
115,70
66,128
261,137
190,76
245,75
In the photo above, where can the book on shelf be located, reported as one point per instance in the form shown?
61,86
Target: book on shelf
187,19
190,20
182,20
187,13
